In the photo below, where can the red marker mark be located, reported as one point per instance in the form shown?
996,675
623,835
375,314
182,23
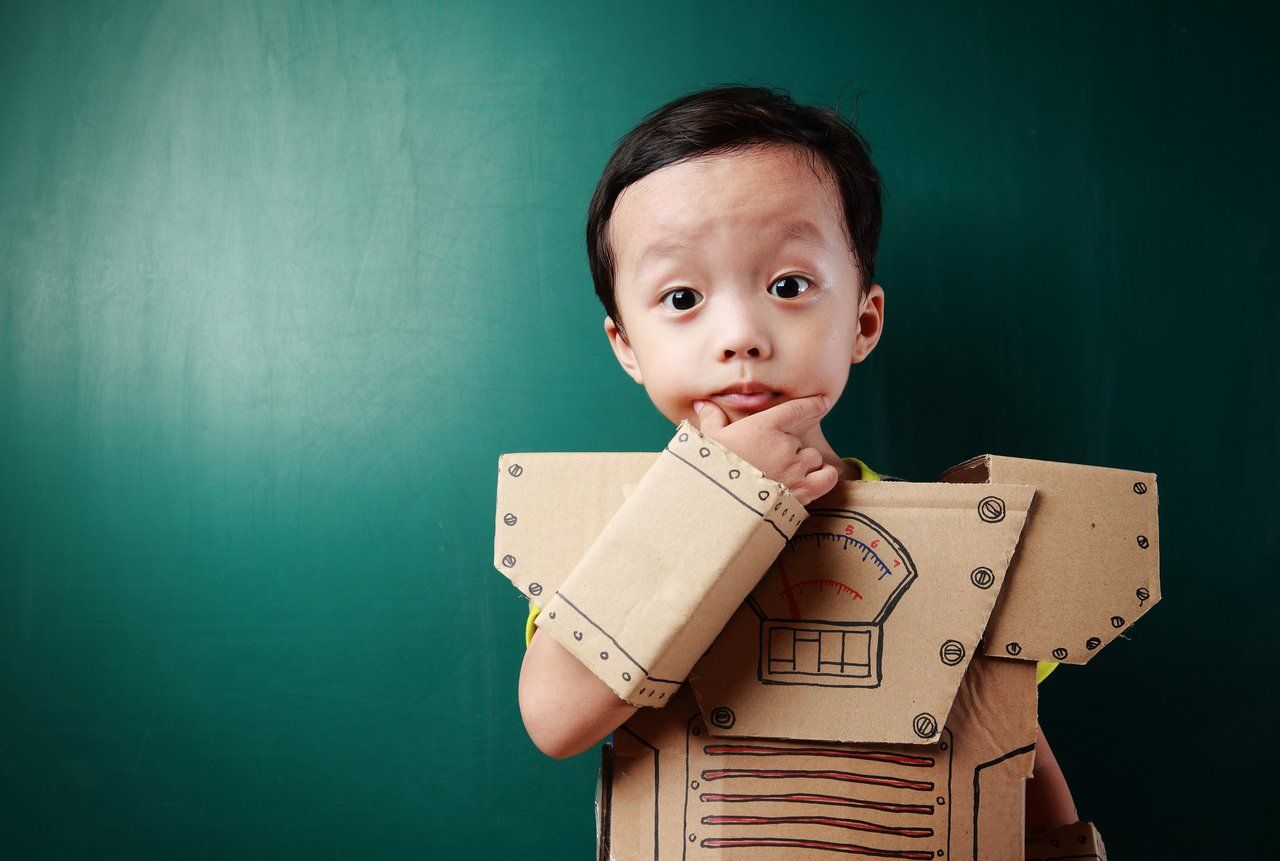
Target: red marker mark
792,604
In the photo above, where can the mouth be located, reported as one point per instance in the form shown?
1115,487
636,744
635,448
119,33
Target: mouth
747,397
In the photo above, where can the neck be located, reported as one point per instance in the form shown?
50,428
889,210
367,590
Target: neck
814,438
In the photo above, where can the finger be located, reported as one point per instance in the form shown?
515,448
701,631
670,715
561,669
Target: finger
795,415
810,459
710,416
820,482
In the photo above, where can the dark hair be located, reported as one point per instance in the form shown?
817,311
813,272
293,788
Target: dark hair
729,119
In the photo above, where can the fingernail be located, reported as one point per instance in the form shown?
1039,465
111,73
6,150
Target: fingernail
826,401
697,407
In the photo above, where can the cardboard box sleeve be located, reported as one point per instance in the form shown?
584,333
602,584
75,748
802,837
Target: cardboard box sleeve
670,567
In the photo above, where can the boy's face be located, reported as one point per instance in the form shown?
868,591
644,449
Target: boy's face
714,293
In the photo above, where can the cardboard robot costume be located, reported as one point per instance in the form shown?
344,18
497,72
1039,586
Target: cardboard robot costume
861,672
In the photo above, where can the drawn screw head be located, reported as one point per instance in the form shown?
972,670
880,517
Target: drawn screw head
626,677
552,614
1080,838
1092,643
693,784
577,635
1143,542
764,494
704,451
940,800
1117,621
734,473
535,589
983,578
509,519
604,656
684,437
693,838
1054,842
1143,594
991,509
516,470
1013,649
1060,653
723,717
925,725
952,652
1139,487
508,561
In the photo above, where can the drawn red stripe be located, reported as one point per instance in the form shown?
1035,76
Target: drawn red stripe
847,776
768,750
818,798
844,848
833,821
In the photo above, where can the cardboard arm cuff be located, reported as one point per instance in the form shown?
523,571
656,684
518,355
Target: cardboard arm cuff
672,565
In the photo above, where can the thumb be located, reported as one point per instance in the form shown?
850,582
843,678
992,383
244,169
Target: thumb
710,416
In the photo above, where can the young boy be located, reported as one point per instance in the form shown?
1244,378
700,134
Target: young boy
732,241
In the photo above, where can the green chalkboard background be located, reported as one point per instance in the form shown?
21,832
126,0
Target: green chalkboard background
280,280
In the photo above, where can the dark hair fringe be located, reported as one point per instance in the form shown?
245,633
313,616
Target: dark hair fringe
732,118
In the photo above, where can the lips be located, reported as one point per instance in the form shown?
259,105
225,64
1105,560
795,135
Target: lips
746,396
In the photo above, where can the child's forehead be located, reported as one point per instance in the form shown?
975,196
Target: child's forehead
774,194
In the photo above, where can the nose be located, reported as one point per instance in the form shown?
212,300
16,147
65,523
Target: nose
741,332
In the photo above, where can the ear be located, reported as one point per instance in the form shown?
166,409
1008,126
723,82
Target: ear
870,324
622,349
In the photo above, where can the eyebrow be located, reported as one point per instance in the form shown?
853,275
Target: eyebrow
792,231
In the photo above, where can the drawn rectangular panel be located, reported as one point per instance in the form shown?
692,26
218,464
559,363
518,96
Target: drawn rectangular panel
769,799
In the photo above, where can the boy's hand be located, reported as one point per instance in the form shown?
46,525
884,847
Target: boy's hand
768,441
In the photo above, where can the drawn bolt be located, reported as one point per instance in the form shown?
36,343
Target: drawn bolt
1092,643
991,509
1117,621
940,800
1013,649
516,470
626,677
925,725
577,635
1143,594
509,519
684,437
983,578
1139,487
1143,542
764,494
693,837
604,656
723,717
704,451
693,784
535,588
952,652
1080,838
509,561
734,473
1060,653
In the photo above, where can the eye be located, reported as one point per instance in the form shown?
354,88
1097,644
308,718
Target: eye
792,286
682,299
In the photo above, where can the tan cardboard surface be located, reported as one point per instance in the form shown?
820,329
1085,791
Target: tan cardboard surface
671,565
862,628
1088,564
1079,841
675,791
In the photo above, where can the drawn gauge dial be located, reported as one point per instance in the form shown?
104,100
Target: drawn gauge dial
823,603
